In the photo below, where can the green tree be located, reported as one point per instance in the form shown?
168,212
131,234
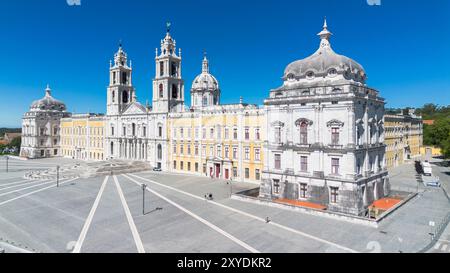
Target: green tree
16,142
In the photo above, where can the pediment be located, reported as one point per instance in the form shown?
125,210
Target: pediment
134,108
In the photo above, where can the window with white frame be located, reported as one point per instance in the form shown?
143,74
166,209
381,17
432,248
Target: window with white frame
303,190
276,186
227,133
257,154
334,194
235,153
257,134
247,153
303,163
335,166
334,136
277,159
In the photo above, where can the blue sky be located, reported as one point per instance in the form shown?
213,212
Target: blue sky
402,44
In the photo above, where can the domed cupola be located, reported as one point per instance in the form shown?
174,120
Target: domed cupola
324,64
205,89
48,103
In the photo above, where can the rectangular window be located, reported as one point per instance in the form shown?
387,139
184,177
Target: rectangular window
257,154
227,133
276,186
235,172
189,166
334,194
257,134
211,133
182,149
247,173
235,153
227,152
189,149
144,131
304,163
257,174
303,190
335,165
161,69
277,135
335,136
196,167
182,165
211,151
196,133
175,148
219,151
247,133
247,153
204,150
174,132
204,133
124,131
278,161
235,133
196,149
174,165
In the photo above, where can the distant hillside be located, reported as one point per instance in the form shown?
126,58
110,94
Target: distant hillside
9,130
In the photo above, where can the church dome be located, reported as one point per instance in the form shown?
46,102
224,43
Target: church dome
325,62
48,103
205,81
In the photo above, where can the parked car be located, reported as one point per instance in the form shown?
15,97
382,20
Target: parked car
431,181
156,169
427,170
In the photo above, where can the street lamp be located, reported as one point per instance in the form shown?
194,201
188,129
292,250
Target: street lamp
57,176
144,187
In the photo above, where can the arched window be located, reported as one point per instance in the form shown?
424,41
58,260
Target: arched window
113,96
304,133
205,101
159,152
161,91
174,91
125,97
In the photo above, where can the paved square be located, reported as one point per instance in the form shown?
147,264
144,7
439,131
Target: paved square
104,214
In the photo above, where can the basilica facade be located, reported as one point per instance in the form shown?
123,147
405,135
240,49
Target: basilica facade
318,138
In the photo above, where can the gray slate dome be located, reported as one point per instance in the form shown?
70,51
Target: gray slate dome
48,103
325,62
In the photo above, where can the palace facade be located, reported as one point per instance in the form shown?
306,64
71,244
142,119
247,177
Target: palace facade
319,138
404,138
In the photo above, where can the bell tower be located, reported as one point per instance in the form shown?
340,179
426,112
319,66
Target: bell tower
168,86
120,89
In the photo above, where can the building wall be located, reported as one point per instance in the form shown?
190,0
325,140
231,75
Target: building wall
83,137
404,139
213,142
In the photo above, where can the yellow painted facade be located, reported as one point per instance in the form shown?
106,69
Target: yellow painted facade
82,137
222,141
403,138
430,151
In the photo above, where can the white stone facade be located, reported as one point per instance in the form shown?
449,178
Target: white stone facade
41,128
134,131
325,135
